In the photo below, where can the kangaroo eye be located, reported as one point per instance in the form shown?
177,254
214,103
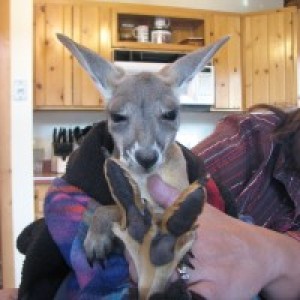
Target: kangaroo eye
170,115
118,118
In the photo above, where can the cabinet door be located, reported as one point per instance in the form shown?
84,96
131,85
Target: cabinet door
53,65
227,61
270,58
40,191
89,27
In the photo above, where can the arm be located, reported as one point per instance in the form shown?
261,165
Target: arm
235,260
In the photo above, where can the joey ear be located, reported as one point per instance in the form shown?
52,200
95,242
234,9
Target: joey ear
185,68
126,193
190,203
100,70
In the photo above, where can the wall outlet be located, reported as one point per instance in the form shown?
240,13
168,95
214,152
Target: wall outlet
20,90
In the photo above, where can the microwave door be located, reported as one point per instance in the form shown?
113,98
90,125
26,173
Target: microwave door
131,67
200,91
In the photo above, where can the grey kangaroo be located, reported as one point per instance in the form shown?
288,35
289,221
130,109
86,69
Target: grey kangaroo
143,119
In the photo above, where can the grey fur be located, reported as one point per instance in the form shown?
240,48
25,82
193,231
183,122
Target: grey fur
144,101
143,119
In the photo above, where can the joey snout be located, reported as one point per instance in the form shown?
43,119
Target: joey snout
147,158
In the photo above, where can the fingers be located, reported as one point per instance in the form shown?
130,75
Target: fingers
189,203
161,192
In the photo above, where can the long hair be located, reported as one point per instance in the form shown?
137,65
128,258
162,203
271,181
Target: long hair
287,133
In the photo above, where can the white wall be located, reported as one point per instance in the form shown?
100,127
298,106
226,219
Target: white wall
195,126
222,5
21,69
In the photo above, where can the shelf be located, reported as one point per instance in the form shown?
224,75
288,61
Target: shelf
182,29
152,46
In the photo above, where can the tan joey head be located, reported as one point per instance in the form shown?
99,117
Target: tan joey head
143,120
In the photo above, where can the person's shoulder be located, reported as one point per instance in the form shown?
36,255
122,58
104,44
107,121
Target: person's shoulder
247,122
238,131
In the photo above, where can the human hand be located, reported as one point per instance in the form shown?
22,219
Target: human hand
235,260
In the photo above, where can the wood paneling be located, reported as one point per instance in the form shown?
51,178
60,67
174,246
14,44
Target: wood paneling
6,233
260,59
40,191
60,82
270,58
86,28
257,65
53,64
227,61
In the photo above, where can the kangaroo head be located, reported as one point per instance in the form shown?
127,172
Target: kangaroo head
142,109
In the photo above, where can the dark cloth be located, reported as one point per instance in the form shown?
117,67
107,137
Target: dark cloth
44,268
85,166
242,155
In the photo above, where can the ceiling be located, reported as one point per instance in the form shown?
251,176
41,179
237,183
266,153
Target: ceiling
222,5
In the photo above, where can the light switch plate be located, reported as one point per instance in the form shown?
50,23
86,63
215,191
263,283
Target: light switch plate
20,89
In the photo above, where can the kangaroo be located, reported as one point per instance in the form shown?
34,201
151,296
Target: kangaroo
143,114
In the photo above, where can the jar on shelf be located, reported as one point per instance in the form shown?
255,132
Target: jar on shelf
161,32
126,32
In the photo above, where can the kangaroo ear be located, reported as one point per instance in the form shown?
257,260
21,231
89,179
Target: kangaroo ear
101,71
184,69
189,203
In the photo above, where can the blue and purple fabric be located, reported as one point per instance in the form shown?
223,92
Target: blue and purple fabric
64,209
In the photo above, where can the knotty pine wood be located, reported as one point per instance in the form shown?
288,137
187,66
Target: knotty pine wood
86,28
40,191
6,230
227,61
270,58
53,63
239,83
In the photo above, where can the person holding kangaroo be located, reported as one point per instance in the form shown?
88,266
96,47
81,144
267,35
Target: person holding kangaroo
225,259
256,157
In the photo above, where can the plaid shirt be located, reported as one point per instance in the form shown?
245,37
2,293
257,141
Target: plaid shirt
243,157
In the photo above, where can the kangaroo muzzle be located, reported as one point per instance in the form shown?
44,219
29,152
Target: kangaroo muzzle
147,158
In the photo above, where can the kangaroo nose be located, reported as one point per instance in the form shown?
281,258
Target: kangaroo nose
146,158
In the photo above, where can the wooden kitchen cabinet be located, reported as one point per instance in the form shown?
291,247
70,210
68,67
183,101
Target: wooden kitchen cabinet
257,65
228,61
40,191
189,27
53,64
60,83
270,58
91,29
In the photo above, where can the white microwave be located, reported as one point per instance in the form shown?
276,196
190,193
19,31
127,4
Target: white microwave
201,89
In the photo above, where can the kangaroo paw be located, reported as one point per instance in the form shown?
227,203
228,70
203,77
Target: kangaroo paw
99,239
